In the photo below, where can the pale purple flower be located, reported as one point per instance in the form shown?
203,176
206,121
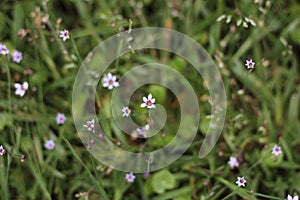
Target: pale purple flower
233,162
64,35
90,125
276,150
289,197
143,131
126,111
250,64
60,118
17,56
2,150
148,102
241,181
110,81
129,177
21,89
49,144
3,49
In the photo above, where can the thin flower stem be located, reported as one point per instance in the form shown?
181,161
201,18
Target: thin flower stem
52,30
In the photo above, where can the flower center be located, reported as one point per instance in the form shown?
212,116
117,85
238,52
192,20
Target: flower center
149,103
110,82
241,181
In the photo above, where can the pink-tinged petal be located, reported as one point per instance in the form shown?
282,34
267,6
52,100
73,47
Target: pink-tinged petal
105,84
105,79
153,100
17,85
143,105
150,96
22,92
25,85
109,76
145,99
110,87
116,84
153,106
289,197
114,78
17,92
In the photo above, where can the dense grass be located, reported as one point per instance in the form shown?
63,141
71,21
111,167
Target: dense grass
262,104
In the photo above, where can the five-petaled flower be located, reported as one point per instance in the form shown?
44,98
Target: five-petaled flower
276,150
17,56
21,89
143,131
60,118
49,144
90,125
126,111
64,35
2,150
3,49
130,177
250,64
289,197
110,81
241,181
148,102
233,162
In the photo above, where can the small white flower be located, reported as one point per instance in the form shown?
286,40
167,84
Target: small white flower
233,162
2,150
17,56
129,177
49,144
250,64
60,118
110,81
143,131
126,111
21,89
276,150
148,102
241,181
90,125
64,35
289,197
3,49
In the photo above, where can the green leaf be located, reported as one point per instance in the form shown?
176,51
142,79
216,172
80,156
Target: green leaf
163,180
